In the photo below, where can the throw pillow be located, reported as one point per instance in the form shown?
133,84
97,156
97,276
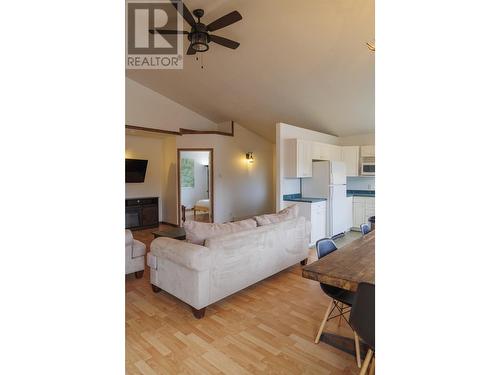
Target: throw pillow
288,213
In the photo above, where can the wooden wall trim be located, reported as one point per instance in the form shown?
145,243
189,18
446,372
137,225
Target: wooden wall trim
134,127
183,130
192,131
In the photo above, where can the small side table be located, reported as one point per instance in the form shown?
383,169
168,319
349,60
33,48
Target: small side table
176,233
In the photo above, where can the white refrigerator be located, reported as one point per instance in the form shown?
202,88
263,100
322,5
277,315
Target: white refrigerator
329,181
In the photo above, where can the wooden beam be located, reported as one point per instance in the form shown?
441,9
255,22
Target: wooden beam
192,131
183,130
153,130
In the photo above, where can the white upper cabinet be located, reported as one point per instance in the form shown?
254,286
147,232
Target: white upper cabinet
300,153
368,151
325,151
298,158
320,151
350,156
335,153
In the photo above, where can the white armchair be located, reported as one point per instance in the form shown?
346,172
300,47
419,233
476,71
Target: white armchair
134,255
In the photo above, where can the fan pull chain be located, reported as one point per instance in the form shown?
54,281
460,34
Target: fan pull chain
197,59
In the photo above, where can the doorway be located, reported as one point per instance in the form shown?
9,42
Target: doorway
195,184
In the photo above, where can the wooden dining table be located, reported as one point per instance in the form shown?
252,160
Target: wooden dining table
345,268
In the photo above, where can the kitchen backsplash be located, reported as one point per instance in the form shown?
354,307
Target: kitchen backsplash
291,186
360,183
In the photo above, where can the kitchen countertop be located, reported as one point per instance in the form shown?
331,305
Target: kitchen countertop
300,198
361,193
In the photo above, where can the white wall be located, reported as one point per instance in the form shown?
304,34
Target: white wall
241,190
169,189
286,131
190,195
150,149
145,107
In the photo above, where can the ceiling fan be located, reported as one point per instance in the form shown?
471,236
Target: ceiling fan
199,36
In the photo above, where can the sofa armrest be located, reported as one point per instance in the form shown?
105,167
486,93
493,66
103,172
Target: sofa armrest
129,238
195,257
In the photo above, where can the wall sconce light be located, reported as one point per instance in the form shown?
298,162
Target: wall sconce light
250,157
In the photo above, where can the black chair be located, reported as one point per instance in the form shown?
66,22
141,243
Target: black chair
341,299
365,228
362,320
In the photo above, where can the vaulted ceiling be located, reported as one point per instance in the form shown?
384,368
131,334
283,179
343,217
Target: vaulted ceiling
300,62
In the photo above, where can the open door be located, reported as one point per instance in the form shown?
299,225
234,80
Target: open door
195,185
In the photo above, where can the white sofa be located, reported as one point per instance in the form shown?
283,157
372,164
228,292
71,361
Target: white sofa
134,255
201,275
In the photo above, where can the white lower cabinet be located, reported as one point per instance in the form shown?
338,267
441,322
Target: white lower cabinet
362,209
350,212
316,214
318,221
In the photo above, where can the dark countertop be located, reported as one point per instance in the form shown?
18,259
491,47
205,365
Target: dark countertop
361,193
306,200
300,198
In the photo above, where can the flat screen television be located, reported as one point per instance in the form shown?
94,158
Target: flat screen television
135,170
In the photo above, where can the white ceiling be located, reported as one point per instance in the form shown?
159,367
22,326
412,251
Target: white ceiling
300,62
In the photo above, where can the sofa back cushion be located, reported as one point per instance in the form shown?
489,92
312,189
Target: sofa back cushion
197,232
288,213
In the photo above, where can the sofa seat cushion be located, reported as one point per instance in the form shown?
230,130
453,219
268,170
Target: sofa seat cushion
288,213
186,254
197,232
138,249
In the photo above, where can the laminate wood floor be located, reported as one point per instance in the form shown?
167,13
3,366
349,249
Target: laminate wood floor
267,328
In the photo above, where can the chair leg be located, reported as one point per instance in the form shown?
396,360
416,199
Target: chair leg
325,318
341,308
366,362
372,367
358,353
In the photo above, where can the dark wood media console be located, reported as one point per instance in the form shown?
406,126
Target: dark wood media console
141,213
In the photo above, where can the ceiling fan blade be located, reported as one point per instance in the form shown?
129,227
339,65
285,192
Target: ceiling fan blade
167,32
224,21
183,9
191,50
224,42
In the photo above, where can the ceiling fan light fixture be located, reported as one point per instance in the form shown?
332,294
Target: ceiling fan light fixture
199,42
200,35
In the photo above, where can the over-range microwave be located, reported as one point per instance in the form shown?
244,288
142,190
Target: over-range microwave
368,169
